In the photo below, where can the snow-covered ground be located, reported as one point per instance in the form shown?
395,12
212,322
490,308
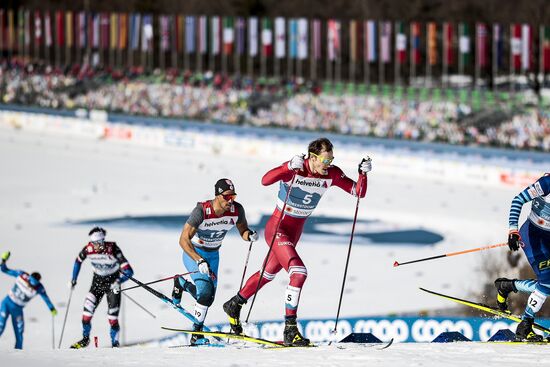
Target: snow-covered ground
48,183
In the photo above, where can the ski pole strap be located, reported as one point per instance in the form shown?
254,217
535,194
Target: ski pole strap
396,263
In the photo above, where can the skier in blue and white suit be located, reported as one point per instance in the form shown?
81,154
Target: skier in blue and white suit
534,238
25,288
200,240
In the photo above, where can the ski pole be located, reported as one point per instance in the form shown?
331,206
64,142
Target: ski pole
65,318
246,265
271,245
157,281
140,306
396,263
347,263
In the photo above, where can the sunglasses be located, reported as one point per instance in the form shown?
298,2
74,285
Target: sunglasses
323,160
229,197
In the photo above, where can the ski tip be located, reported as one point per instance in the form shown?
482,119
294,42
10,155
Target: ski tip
395,264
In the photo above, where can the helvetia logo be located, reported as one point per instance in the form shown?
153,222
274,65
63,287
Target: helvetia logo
309,183
210,224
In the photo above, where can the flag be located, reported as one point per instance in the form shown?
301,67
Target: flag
190,35
80,38
113,22
370,39
96,26
252,36
353,40
515,46
385,42
228,35
316,39
302,38
122,31
27,28
240,36
104,25
526,45
203,35
69,33
415,43
546,48
37,29
448,43
147,33
267,37
464,44
59,28
481,45
47,29
11,30
280,44
215,43
164,33
498,45
333,37
432,43
180,21
293,38
400,43
135,27
2,33
20,28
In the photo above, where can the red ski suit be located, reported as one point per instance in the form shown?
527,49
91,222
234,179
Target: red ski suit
305,194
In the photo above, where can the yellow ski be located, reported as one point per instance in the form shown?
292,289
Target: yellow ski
486,308
221,334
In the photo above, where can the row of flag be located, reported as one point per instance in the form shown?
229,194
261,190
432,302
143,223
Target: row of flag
298,38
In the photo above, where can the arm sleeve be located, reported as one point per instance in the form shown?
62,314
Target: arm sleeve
277,174
196,217
358,188
10,272
45,297
78,263
125,268
540,188
242,216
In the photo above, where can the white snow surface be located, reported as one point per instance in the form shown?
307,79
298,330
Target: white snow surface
49,181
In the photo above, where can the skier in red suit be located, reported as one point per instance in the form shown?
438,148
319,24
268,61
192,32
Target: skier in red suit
312,178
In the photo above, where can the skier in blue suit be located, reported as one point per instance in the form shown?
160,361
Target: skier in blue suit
534,238
25,288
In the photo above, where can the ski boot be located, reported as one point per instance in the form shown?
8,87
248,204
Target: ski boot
292,336
198,339
233,310
525,332
83,343
504,288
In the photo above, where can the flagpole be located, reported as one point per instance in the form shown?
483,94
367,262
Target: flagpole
198,43
494,57
541,53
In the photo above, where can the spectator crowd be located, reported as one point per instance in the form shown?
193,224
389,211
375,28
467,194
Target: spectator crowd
257,102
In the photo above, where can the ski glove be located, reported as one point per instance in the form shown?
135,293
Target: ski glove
54,312
115,287
296,163
203,266
514,240
365,166
253,236
5,256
